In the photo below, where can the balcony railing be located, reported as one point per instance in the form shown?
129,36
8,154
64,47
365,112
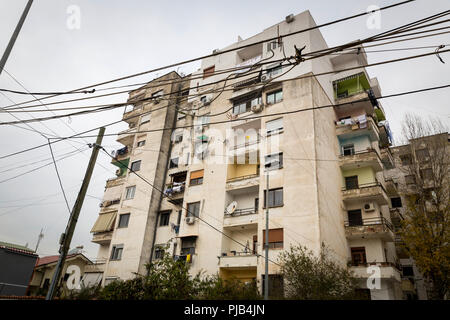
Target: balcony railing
233,253
241,212
377,221
364,185
379,264
250,176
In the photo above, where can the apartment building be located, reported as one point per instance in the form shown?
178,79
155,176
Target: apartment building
258,140
127,218
421,151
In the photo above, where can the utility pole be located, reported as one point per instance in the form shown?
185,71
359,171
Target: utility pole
14,36
266,277
66,237
41,235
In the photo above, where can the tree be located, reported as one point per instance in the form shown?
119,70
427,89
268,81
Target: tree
311,277
425,227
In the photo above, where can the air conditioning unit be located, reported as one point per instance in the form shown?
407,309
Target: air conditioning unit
369,207
118,172
206,101
190,220
156,100
265,78
257,108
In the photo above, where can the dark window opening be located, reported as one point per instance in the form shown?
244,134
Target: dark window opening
351,182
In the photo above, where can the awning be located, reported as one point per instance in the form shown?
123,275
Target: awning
104,222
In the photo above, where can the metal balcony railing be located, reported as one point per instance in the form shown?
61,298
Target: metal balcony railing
364,185
241,212
233,253
369,222
250,176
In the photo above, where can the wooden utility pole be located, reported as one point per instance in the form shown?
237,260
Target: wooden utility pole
14,36
66,237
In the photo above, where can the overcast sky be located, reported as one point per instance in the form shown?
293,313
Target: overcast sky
117,38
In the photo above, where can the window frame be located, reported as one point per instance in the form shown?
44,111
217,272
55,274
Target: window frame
274,204
280,161
174,164
209,71
136,163
120,220
133,193
140,144
166,221
116,255
277,130
190,213
274,94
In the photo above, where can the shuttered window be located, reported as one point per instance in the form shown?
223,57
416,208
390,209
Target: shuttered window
274,126
196,177
208,72
275,238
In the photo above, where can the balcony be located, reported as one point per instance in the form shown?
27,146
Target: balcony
120,154
113,182
389,271
391,187
349,128
236,259
126,137
349,90
241,217
131,113
368,158
366,192
370,228
96,266
242,182
102,237
387,158
385,134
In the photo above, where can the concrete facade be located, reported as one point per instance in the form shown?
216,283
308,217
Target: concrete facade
332,166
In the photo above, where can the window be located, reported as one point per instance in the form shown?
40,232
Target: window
396,202
273,45
274,126
187,246
246,103
145,119
275,238
157,94
196,178
426,174
406,159
275,197
276,285
408,271
178,138
422,154
173,163
136,166
351,183
141,143
116,252
123,220
410,179
354,218
358,256
275,97
164,218
274,161
208,72
272,72
193,209
348,150
159,252
129,193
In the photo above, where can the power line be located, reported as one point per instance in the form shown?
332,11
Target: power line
232,49
226,121
292,79
59,178
187,210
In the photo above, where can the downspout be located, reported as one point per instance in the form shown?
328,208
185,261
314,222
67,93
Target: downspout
174,122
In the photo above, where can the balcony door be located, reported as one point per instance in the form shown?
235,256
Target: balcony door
354,218
351,182
358,256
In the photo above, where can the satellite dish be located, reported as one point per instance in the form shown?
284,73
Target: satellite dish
232,207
